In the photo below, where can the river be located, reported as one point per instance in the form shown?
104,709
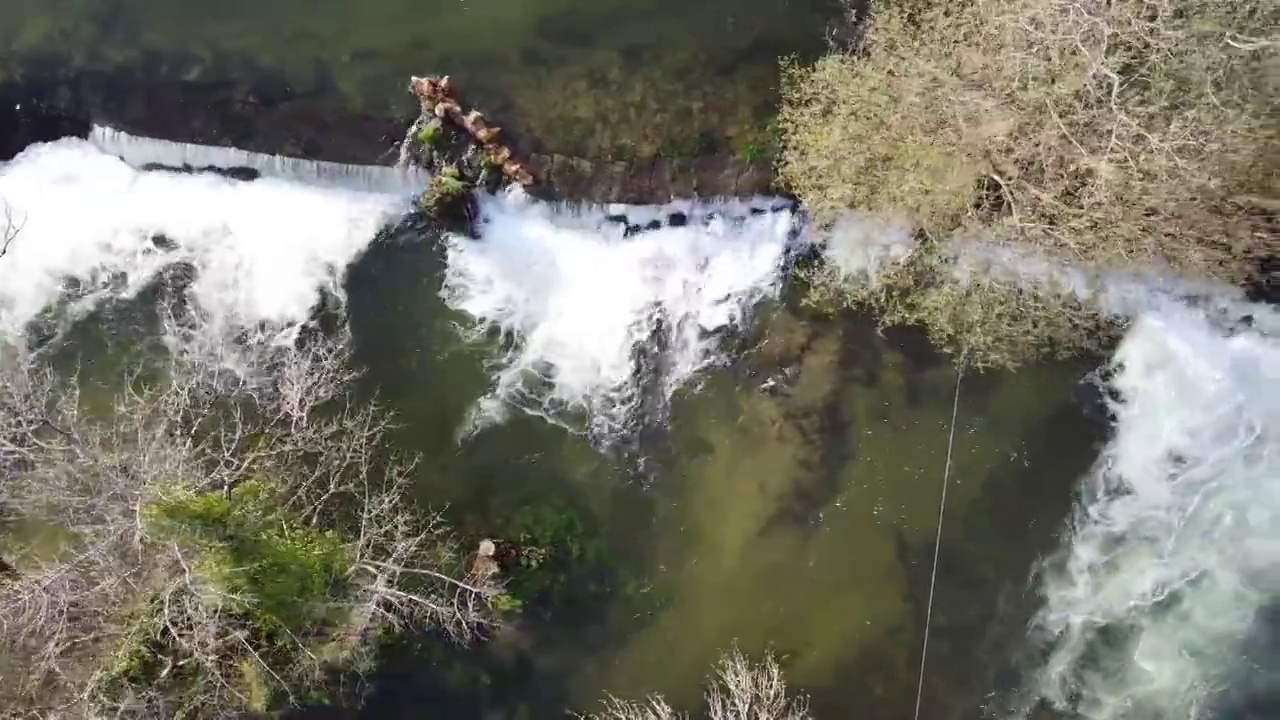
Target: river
713,462
801,518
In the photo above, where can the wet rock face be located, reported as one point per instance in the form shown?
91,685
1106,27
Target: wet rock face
638,219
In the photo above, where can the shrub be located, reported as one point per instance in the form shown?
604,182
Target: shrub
1098,133
232,542
254,557
740,690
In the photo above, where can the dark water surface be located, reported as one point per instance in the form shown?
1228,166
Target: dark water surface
587,77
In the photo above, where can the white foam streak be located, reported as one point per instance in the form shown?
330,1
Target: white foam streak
261,249
576,298
1176,540
1174,546
1122,293
863,248
142,151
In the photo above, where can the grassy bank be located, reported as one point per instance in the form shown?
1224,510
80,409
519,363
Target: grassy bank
1105,135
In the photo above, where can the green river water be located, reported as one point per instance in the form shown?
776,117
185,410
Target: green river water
606,77
802,519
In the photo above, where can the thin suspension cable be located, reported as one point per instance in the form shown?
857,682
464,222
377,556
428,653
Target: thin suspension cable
937,544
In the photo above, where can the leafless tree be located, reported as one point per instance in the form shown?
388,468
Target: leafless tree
8,231
68,612
740,690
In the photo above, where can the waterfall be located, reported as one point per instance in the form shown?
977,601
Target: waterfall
142,152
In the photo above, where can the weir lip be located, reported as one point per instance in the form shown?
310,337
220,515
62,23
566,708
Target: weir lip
51,103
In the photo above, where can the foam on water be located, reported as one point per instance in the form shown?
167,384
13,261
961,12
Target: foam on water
1172,559
1174,547
262,250
862,248
1124,293
580,302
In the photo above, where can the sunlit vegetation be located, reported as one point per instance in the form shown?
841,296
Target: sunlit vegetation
740,690
227,544
1105,135
431,132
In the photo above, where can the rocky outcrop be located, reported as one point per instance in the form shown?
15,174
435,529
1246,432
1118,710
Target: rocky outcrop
439,105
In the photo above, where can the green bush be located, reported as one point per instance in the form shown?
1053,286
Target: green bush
279,573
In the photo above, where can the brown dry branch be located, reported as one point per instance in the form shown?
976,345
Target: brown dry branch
743,691
9,229
1122,134
133,617
739,690
438,96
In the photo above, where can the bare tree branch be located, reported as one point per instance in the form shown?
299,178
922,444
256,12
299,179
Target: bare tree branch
118,596
8,230
739,690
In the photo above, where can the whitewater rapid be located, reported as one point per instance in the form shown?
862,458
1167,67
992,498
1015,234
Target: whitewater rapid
262,250
1163,602
601,320
580,294
1173,551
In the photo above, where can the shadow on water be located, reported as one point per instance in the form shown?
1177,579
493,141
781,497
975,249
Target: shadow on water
799,513
983,598
26,118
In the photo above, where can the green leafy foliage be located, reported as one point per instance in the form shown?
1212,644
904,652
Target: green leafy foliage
561,561
279,573
446,194
430,133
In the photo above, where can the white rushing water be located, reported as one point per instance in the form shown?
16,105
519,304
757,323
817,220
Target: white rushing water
580,303
143,151
262,250
1157,605
1174,547
862,248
